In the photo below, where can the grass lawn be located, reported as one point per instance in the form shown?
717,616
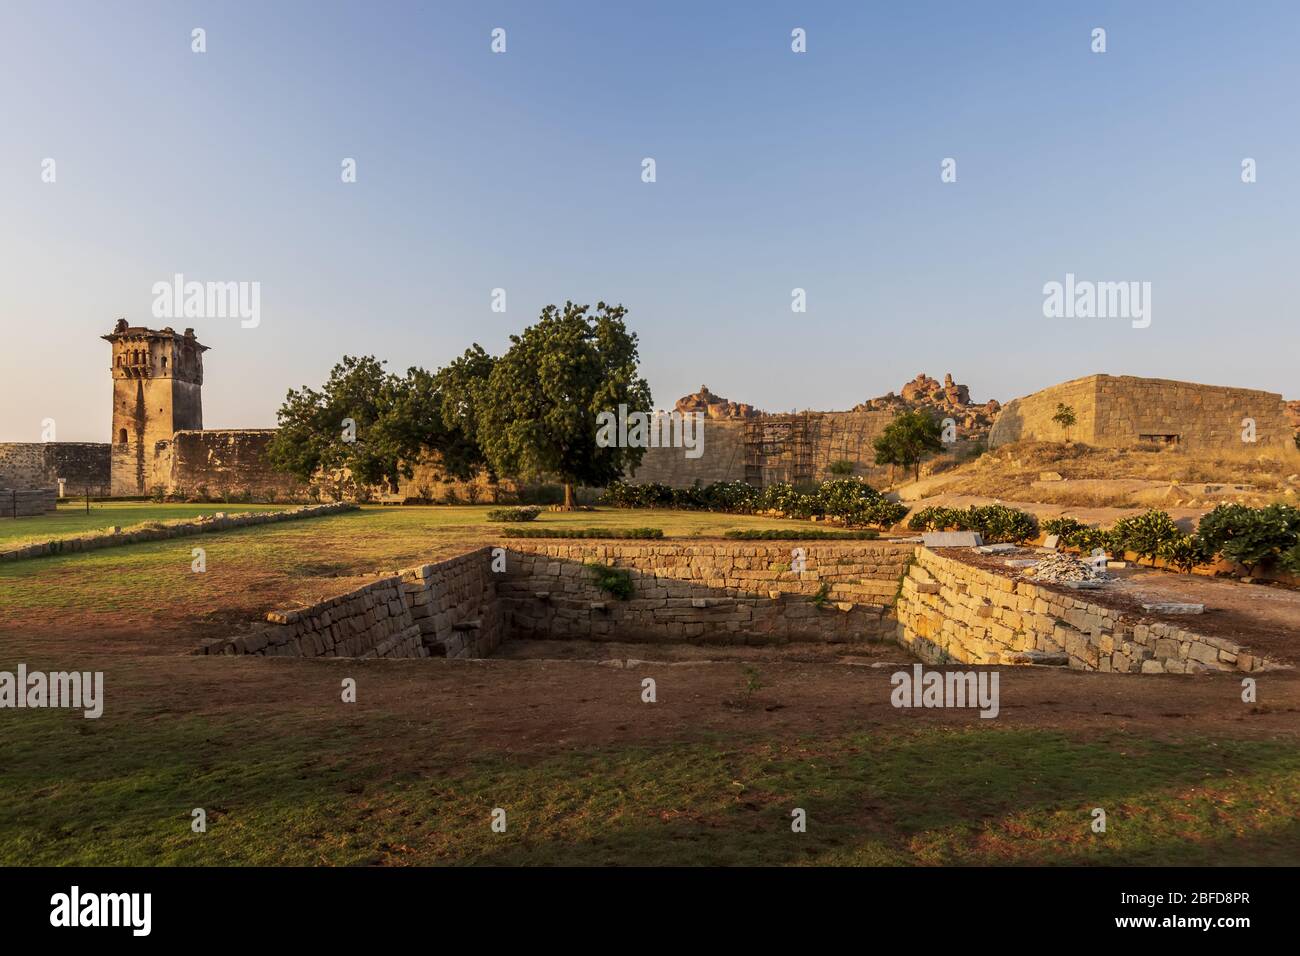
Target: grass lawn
72,519
587,772
332,792
251,570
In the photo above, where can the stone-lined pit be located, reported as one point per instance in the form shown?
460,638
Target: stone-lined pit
948,606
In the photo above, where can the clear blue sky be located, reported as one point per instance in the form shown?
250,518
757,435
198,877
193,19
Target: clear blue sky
775,171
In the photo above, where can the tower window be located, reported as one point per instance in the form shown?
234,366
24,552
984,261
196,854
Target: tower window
121,436
164,361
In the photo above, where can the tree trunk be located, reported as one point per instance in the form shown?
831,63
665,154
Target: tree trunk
568,496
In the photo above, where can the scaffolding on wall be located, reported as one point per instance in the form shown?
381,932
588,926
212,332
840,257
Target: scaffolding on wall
781,448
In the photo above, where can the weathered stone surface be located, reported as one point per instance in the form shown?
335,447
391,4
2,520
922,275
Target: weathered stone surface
978,615
952,539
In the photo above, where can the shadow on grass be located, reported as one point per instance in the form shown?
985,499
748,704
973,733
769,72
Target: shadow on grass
326,793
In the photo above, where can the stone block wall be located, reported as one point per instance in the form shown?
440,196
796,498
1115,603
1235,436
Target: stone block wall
949,610
723,459
29,503
31,465
710,593
454,604
224,461
774,448
1118,411
447,609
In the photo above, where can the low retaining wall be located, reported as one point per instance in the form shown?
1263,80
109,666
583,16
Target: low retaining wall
447,609
706,593
171,529
949,610
27,504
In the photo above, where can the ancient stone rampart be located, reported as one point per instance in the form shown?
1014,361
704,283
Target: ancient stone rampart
31,465
224,462
1123,411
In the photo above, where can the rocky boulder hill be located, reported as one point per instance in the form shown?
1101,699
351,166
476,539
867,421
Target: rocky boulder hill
714,406
943,400
1293,416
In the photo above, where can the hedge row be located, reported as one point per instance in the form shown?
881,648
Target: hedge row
636,533
850,500
1248,536
526,513
812,534
994,523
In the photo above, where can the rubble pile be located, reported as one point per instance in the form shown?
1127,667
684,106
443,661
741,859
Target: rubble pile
1061,568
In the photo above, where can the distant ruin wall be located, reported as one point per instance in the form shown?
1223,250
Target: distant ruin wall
723,459
223,462
773,448
1122,411
32,465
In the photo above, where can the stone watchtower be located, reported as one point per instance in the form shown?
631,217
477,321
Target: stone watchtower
157,391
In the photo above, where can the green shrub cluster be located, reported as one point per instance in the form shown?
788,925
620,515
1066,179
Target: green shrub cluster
994,523
812,534
1148,535
1075,534
526,513
850,500
616,582
1248,536
1253,536
632,533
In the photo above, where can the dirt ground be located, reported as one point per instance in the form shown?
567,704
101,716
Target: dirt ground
520,704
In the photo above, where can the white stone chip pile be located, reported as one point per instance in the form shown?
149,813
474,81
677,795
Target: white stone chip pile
1063,567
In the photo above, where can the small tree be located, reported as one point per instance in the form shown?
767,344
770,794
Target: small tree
537,415
1065,417
907,439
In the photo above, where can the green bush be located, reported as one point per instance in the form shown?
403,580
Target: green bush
812,534
627,533
937,518
1145,534
994,523
997,523
1290,559
850,500
616,582
1251,536
1063,527
1184,552
526,513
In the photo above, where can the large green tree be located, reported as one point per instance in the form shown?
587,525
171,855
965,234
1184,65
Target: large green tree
334,428
462,387
536,416
908,439
376,424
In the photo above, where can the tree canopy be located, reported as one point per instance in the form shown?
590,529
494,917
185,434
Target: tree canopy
536,416
907,439
376,424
